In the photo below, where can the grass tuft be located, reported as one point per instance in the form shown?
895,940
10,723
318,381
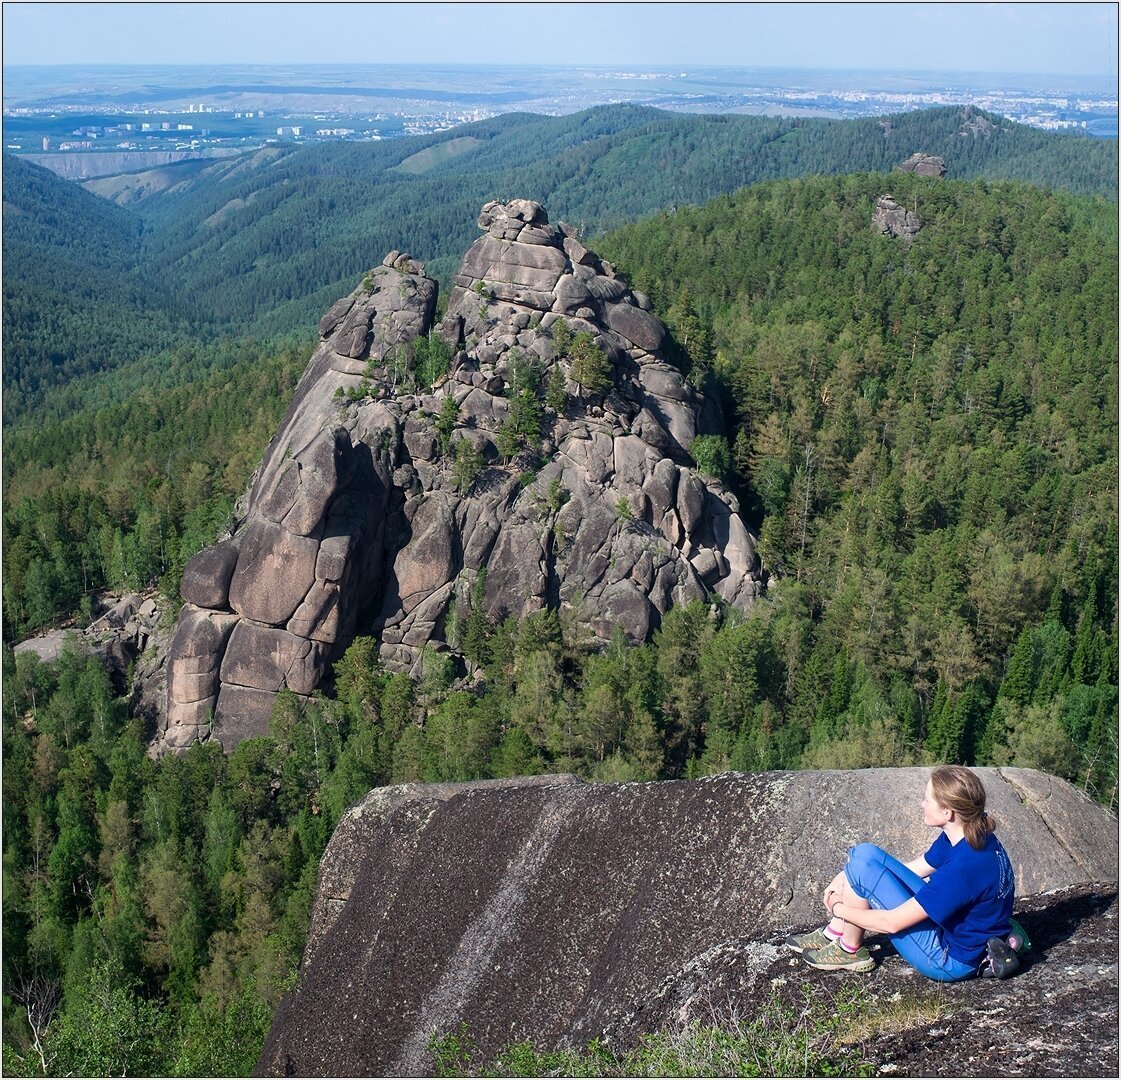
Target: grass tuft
777,1040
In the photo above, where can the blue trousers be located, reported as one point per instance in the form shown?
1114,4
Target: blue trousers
886,883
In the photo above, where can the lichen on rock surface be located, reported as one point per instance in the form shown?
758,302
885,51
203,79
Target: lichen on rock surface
557,911
367,507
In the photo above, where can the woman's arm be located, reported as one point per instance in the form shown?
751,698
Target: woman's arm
920,866
889,921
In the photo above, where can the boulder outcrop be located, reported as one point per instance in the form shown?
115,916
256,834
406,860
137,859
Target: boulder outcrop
558,911
894,220
975,125
1057,1017
125,628
925,165
363,508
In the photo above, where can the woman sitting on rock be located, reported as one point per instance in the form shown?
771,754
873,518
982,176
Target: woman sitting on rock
940,910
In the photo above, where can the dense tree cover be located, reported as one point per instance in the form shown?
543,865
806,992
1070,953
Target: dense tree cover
927,436
74,298
43,212
319,216
154,912
121,496
263,244
924,434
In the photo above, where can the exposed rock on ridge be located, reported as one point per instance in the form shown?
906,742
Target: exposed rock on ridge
268,605
976,126
117,636
925,165
357,508
894,220
561,911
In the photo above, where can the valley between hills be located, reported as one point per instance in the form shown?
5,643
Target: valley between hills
770,455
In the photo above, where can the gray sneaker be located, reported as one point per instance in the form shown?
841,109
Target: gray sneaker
835,958
815,939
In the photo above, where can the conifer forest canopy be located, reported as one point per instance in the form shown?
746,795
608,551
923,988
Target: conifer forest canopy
922,433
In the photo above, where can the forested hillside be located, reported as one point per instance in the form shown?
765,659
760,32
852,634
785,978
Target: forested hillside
74,301
120,495
927,434
924,434
293,232
264,243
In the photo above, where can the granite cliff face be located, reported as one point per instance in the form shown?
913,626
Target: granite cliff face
560,911
894,220
362,505
924,165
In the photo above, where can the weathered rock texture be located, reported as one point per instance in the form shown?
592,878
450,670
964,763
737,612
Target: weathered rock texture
269,605
122,631
925,165
356,509
894,220
559,911
1057,1017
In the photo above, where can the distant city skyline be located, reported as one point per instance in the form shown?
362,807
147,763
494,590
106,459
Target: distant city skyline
1036,38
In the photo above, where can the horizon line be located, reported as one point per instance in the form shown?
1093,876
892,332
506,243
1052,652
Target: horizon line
684,67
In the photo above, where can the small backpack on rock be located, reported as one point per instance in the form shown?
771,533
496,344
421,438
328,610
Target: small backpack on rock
1002,954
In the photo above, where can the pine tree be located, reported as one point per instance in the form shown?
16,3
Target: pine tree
556,393
591,370
446,421
1085,664
1020,675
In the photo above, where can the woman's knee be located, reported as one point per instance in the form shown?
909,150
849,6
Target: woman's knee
865,867
865,855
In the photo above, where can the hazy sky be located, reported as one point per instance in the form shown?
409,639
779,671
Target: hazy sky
1022,37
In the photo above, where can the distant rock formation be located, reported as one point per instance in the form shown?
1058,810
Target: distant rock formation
558,911
359,507
974,125
925,165
894,220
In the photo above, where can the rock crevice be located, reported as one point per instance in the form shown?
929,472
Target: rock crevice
363,509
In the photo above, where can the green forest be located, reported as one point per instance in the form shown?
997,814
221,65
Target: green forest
923,435
262,244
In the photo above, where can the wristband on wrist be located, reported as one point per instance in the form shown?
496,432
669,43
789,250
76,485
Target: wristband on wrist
833,909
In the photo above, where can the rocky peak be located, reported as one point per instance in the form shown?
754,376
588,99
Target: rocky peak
402,491
516,282
395,302
976,126
894,220
925,165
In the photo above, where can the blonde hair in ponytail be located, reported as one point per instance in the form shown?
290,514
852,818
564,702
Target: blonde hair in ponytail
960,789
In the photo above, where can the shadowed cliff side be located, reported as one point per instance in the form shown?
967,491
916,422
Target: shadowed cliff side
544,463
558,911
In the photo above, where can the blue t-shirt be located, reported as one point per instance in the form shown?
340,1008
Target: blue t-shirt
969,896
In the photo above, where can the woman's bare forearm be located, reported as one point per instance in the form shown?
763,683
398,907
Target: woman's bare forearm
881,921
